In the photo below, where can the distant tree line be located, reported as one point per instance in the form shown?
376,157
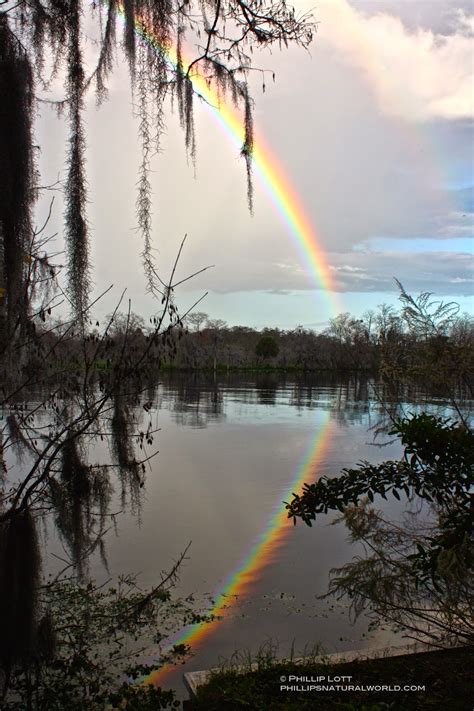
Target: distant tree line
382,340
386,340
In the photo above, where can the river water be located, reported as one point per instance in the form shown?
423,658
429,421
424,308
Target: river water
231,450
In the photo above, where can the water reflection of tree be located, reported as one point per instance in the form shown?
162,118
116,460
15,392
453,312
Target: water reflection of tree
267,386
87,389
195,398
346,398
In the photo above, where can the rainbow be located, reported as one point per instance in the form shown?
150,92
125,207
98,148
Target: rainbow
278,186
290,208
264,552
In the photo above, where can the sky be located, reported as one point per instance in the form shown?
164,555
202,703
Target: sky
372,129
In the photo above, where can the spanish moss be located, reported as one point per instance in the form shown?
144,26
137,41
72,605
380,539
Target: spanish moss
16,170
247,148
49,36
105,62
144,198
129,33
76,221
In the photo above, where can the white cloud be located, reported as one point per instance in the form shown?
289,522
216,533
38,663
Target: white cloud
415,74
464,22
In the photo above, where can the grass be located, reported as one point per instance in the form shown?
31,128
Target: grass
446,676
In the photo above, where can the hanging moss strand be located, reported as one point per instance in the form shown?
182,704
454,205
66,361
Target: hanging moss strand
76,193
16,171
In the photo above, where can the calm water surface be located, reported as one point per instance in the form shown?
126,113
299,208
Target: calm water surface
230,452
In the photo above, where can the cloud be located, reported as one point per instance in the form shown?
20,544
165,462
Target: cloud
464,22
416,74
444,17
456,224
447,272
365,270
361,273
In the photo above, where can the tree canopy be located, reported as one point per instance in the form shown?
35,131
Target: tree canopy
266,347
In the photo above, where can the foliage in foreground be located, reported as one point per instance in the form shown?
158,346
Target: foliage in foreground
418,574
444,674
94,646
